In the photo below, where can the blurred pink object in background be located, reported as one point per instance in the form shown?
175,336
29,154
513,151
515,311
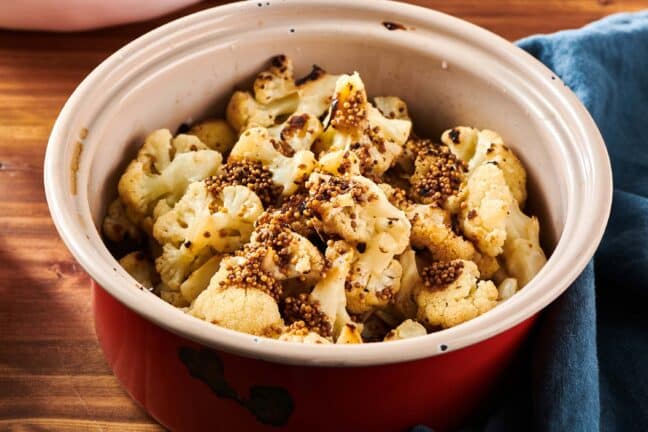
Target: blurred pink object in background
73,15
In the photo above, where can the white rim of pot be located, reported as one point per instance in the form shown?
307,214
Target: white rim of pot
586,215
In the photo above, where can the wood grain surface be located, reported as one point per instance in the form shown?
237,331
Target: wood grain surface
52,373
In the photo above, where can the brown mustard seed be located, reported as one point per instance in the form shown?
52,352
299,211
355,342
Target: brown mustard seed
252,174
300,308
438,175
251,275
441,273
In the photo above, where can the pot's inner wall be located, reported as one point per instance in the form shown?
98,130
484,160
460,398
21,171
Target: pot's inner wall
442,89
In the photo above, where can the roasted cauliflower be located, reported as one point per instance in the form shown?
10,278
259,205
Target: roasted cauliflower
202,221
453,294
163,169
289,168
313,214
240,299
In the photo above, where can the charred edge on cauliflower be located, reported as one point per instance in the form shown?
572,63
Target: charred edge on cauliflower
441,273
315,74
437,176
251,275
301,310
252,174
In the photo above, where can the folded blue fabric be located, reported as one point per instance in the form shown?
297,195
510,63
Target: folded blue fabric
588,363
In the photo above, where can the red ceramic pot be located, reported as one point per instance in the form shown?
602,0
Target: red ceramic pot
192,375
216,391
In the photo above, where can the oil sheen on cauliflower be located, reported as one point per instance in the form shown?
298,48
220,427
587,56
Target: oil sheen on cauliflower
446,305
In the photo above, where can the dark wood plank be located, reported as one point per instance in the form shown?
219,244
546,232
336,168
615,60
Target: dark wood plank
52,373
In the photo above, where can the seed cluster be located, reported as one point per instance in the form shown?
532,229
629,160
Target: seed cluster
252,174
292,214
437,176
441,273
251,275
348,111
300,308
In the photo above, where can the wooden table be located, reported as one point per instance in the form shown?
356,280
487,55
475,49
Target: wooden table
52,373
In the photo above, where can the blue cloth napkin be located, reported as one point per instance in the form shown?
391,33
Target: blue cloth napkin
587,366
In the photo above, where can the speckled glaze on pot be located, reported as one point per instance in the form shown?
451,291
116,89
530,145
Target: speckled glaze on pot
449,72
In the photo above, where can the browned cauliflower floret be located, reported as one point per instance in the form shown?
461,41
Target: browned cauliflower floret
117,227
405,330
329,293
476,147
277,95
200,222
299,132
357,210
140,268
162,171
288,171
492,218
357,127
215,134
392,107
288,255
240,297
453,294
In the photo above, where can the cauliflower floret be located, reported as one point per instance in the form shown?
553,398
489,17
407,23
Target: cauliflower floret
329,292
243,111
117,226
407,329
200,222
357,210
299,132
276,82
392,107
447,304
162,171
493,219
288,171
355,125
432,229
487,206
316,91
438,175
288,255
236,299
276,95
140,268
215,134
476,147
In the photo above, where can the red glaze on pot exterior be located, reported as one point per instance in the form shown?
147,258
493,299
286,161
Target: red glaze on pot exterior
189,387
192,375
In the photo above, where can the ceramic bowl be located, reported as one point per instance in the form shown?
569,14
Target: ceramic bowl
192,375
